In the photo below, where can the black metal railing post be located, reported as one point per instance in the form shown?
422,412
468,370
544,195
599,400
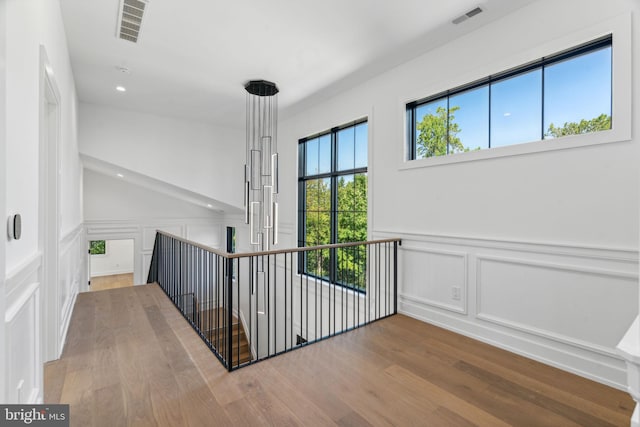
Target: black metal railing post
229,308
395,277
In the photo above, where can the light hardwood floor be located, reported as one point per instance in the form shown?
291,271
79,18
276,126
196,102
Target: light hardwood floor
131,359
101,283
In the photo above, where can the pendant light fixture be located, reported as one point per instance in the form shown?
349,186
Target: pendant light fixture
261,168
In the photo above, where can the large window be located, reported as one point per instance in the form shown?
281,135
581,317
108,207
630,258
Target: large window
565,94
332,194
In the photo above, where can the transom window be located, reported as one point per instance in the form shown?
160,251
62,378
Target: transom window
332,195
568,93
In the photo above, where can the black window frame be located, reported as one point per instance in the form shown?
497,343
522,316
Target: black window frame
334,174
574,52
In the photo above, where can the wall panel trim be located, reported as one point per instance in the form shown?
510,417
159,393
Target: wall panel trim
605,253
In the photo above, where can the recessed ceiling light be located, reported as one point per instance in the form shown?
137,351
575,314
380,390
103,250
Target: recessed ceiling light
119,175
209,205
121,88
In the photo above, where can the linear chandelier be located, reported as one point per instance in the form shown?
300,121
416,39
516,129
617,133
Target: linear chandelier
261,167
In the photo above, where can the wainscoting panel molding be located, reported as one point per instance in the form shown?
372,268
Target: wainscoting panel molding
22,322
72,273
421,266
570,304
24,273
567,306
24,370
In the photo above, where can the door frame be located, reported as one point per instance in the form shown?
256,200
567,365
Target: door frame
138,274
49,218
107,240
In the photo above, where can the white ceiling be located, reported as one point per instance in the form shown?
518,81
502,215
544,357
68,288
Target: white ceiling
194,56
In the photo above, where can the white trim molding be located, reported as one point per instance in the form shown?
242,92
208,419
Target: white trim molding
23,332
446,303
547,301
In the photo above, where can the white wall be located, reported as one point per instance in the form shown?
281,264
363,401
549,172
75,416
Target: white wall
108,197
116,209
117,259
3,112
31,26
543,245
202,158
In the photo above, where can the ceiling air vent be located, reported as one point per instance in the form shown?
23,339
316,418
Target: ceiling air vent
467,15
130,19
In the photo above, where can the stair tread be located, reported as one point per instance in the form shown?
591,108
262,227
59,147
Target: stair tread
217,334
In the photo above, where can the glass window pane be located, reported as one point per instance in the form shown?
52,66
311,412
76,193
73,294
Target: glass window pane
345,227
431,129
469,120
346,267
516,109
311,195
324,194
346,148
361,192
310,267
97,247
318,195
324,156
318,263
577,95
318,228
312,156
324,228
361,145
312,227
360,226
346,193
361,267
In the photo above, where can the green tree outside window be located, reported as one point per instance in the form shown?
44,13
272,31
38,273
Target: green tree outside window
97,247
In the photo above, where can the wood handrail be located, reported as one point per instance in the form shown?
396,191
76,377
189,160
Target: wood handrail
228,255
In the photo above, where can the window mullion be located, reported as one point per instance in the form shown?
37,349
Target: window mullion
490,84
334,205
447,131
542,105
